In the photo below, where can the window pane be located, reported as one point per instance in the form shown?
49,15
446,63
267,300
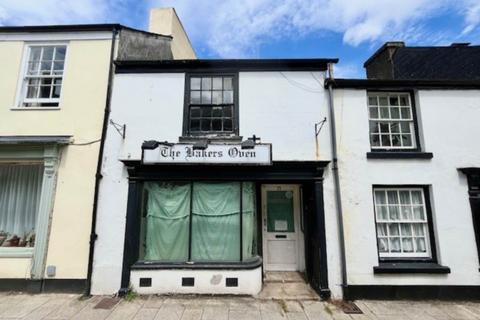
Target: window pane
394,214
45,67
58,67
393,229
407,140
216,97
404,101
382,229
405,127
47,53
380,197
205,125
217,83
45,92
374,128
373,112
33,88
206,112
396,140
33,68
406,229
375,140
383,101
405,113
405,197
406,212
395,113
386,142
206,97
35,53
216,221
394,127
372,101
395,245
227,97
417,197
382,213
227,125
384,128
165,221
194,112
249,231
384,114
407,244
280,211
392,197
217,112
421,245
394,101
418,229
227,83
60,53
195,97
227,111
206,83
383,244
194,125
56,91
418,213
20,191
195,83
217,124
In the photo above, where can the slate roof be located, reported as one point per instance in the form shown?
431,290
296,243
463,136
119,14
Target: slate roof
440,63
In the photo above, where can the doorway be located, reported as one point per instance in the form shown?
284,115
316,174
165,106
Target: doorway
282,228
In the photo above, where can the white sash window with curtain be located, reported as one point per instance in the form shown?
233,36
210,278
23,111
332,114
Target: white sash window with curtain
20,192
199,222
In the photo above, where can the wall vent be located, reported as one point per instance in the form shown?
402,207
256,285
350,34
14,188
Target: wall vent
231,282
188,282
145,282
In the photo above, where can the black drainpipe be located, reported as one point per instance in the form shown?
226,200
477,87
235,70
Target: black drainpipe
98,175
336,180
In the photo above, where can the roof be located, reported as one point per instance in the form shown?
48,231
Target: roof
455,62
224,65
72,28
403,84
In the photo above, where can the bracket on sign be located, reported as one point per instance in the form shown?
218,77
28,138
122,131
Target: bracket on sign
319,126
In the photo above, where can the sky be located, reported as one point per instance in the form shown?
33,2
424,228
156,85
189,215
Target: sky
351,30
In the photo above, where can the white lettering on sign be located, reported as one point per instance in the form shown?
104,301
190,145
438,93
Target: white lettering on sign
214,153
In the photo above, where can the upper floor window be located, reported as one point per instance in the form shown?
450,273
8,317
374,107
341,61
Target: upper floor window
42,82
392,121
210,104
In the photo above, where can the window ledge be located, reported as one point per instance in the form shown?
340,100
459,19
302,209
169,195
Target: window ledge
219,138
12,252
33,108
399,155
410,267
246,265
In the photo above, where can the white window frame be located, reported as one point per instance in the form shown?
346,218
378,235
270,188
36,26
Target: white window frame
21,99
386,255
411,120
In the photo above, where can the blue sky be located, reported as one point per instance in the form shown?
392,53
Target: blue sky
347,29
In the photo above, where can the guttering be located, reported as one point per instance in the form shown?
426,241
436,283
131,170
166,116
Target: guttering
336,179
98,175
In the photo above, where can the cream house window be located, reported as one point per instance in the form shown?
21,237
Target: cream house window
43,76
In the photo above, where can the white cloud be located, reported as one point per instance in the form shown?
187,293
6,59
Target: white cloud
472,17
233,28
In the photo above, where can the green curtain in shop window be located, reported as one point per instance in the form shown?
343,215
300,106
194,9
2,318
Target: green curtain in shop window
216,221
249,221
168,211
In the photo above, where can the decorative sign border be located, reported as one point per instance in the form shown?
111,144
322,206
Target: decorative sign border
260,154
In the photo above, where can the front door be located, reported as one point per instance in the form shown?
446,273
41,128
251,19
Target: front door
282,228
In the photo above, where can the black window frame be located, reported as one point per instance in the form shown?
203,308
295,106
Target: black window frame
418,146
186,106
431,234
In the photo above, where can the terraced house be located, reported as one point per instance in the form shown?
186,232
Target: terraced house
54,98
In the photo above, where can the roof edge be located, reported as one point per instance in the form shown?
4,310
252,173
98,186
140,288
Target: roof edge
396,84
155,66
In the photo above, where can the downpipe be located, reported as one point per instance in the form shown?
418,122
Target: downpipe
336,181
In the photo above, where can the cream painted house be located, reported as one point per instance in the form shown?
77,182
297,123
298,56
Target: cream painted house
54,98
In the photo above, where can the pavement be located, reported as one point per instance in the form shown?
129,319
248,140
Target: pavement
70,306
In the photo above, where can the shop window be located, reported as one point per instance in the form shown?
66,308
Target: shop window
42,82
211,105
20,192
198,222
392,121
402,222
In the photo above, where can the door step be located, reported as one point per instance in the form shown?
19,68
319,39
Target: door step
283,277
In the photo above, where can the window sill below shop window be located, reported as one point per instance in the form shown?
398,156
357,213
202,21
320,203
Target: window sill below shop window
399,155
219,138
246,265
410,267
16,252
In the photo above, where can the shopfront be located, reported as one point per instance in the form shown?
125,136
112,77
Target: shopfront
197,227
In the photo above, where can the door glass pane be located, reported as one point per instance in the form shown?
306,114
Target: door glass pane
280,211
